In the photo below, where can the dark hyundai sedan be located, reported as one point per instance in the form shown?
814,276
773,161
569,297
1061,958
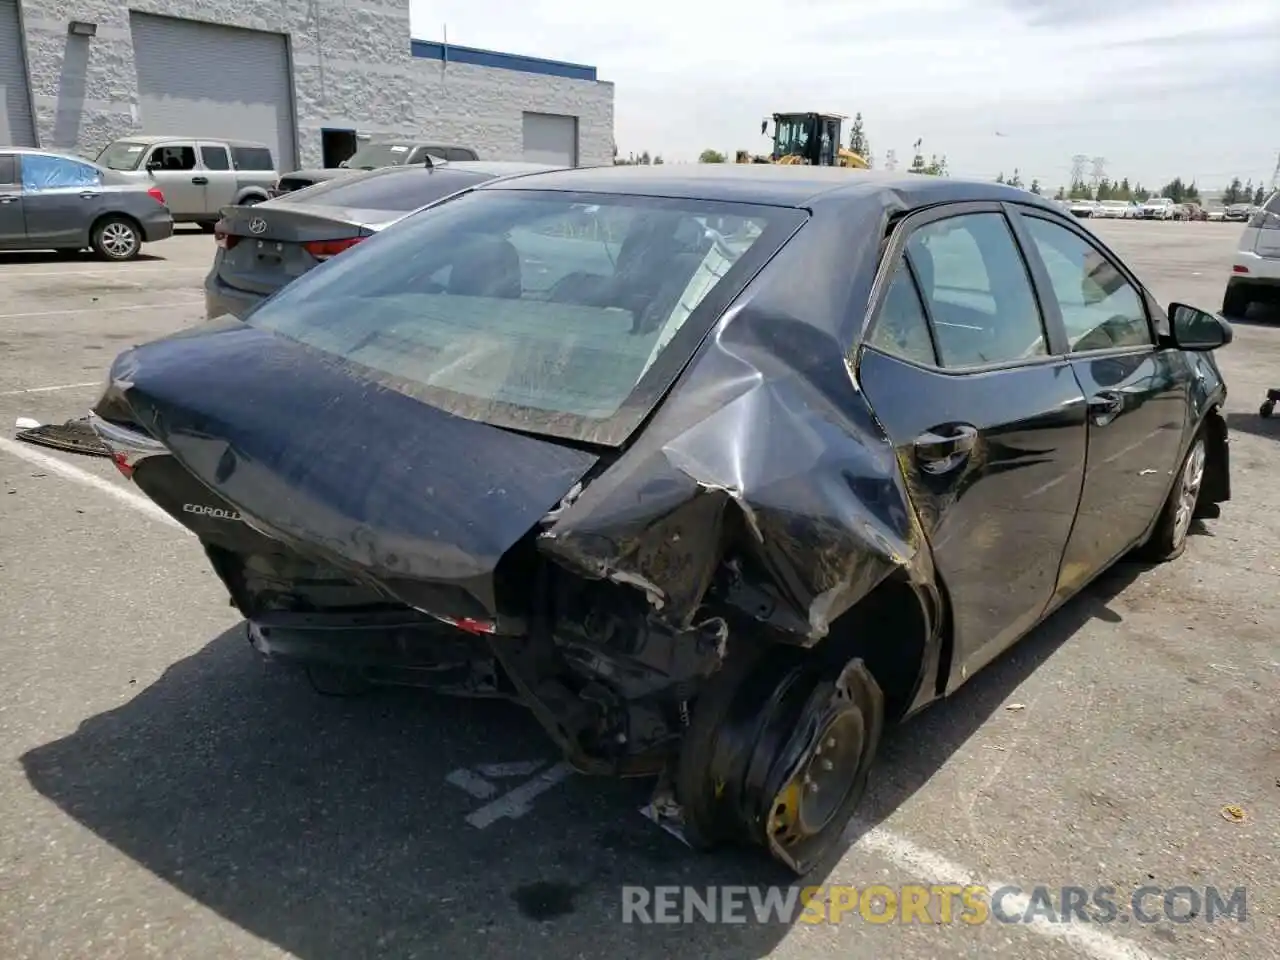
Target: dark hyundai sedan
263,246
755,461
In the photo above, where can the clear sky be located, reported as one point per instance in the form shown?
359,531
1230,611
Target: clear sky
1159,88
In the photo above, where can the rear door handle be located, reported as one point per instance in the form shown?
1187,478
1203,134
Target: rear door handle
943,448
8,198
1105,407
200,180
89,194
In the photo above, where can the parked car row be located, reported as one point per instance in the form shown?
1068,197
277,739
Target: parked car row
1155,208
138,187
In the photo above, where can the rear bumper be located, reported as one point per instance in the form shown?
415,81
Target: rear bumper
365,641
157,227
221,299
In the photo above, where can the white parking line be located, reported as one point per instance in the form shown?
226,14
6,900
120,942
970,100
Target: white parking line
935,868
61,386
66,470
904,853
93,307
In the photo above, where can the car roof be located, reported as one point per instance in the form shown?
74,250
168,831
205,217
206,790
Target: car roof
780,185
491,168
152,139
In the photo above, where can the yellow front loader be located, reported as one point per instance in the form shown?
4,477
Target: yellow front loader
808,138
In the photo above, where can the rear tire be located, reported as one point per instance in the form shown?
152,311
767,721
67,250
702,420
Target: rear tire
778,755
1235,302
116,238
1169,539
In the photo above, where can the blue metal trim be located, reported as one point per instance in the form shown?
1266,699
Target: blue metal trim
431,50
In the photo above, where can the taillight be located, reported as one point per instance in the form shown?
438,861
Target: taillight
156,194
223,236
324,249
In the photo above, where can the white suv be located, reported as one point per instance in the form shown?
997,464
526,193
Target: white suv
1255,272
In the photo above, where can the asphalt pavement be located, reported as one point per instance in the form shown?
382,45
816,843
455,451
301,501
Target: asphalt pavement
166,794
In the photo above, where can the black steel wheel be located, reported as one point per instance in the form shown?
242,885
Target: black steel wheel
778,755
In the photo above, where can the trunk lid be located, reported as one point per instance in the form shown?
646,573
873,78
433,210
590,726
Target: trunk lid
347,470
289,241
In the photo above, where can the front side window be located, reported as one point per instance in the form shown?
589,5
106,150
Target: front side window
40,172
1100,308
555,313
172,158
978,291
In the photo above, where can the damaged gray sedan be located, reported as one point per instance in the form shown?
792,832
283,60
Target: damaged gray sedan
717,470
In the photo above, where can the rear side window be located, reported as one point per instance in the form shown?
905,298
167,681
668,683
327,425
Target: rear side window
52,173
902,328
460,153
252,158
8,169
215,158
398,190
978,291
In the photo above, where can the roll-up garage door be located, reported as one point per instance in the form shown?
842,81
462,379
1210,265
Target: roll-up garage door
551,139
205,80
16,128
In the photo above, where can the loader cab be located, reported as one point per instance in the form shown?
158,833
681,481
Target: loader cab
812,138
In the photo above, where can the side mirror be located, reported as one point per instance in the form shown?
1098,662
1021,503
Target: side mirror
1194,329
153,165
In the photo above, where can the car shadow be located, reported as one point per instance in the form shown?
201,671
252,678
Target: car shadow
33,257
326,826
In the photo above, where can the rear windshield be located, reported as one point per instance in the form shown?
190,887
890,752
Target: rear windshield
398,191
121,155
374,155
555,313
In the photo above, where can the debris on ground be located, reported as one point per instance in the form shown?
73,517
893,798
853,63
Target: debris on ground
1233,813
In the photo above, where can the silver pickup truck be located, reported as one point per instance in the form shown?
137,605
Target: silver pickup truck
198,175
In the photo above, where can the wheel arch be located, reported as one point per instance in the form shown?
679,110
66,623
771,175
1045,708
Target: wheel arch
898,630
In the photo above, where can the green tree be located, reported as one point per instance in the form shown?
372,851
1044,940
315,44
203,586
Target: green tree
858,141
1259,197
645,159
917,158
1015,180
1105,190
1232,194
1061,194
711,156
1124,191
937,165
1192,193
1080,191
1000,177
657,159
1175,190
1141,193
1035,186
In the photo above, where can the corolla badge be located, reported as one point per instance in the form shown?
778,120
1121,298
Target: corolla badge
257,225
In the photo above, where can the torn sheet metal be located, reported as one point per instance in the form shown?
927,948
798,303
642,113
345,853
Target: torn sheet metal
765,460
73,436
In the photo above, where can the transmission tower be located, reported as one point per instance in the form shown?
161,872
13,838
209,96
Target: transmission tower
1099,172
1275,176
1077,168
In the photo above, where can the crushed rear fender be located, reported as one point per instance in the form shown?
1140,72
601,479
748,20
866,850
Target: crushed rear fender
765,475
